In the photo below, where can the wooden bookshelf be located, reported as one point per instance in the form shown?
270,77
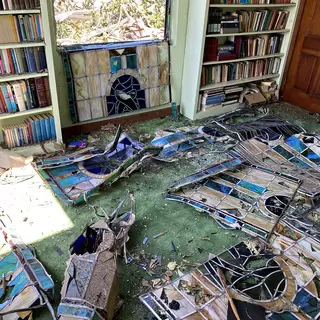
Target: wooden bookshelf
254,33
49,42
25,113
244,59
27,11
21,44
194,52
24,76
254,6
236,82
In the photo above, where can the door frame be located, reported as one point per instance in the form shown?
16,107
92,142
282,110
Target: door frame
293,43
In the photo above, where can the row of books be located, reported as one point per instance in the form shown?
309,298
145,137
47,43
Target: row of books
245,21
220,97
22,60
24,95
236,47
20,28
261,20
239,70
34,129
19,4
249,1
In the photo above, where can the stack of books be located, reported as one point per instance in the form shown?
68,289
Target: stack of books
20,28
34,129
24,95
214,20
220,97
21,60
249,1
229,23
261,20
19,4
239,70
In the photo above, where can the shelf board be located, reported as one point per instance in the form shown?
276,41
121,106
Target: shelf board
14,45
13,77
244,59
218,110
271,5
25,113
26,11
235,82
217,35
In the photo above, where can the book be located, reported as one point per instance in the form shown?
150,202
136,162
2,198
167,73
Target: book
41,92
19,95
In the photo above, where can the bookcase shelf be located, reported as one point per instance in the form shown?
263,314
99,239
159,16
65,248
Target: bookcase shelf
235,82
14,77
240,6
46,11
25,113
218,35
198,14
209,63
22,45
26,11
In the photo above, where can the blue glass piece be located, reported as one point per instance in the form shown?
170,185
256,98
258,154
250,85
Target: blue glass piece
132,61
28,254
296,144
73,180
159,142
175,137
299,162
308,303
8,264
77,311
283,152
230,219
20,282
218,187
313,157
252,187
169,151
186,145
232,163
44,280
115,63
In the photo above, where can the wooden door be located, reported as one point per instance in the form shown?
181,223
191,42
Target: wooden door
302,86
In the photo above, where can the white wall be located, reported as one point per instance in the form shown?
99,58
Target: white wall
178,27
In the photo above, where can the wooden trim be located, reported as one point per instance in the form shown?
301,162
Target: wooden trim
78,129
293,44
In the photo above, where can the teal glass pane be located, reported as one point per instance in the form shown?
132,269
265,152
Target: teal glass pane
115,63
132,61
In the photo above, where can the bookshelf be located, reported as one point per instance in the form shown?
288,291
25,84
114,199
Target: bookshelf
49,44
195,46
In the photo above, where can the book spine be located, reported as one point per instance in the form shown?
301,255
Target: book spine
41,92
53,128
6,97
33,93
48,126
47,89
12,97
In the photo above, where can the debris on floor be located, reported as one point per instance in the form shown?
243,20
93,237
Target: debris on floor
177,143
91,284
75,177
25,284
282,278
